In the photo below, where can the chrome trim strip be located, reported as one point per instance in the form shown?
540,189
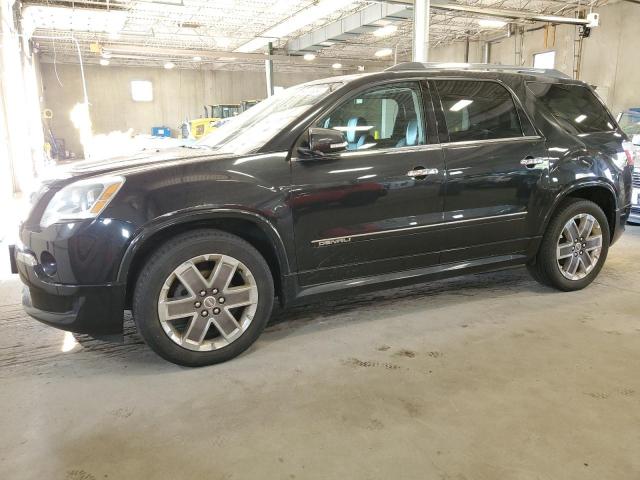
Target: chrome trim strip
422,148
347,238
382,151
493,140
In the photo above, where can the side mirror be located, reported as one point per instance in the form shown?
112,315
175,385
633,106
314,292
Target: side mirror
323,141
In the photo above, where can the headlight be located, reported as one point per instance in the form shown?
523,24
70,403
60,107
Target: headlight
81,200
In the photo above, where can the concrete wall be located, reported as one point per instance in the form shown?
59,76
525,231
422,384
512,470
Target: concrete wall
178,94
610,58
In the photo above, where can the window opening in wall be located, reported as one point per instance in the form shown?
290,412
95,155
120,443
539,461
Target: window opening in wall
544,60
141,91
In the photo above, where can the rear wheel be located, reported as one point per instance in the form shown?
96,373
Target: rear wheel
574,247
203,297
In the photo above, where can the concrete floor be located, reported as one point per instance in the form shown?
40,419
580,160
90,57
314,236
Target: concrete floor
482,377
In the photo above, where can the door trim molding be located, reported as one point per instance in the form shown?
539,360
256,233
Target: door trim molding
326,242
528,138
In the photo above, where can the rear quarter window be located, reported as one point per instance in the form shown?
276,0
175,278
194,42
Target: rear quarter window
575,107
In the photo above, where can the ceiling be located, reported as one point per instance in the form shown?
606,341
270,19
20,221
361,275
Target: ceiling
233,34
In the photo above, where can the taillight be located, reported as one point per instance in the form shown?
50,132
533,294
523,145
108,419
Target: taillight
630,157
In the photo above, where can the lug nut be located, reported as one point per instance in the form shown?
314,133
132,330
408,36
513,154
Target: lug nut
214,291
204,313
575,254
202,293
197,304
221,300
216,311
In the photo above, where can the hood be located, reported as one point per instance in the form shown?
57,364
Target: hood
148,158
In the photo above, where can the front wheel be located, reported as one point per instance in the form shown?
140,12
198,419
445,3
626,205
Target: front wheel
203,297
574,247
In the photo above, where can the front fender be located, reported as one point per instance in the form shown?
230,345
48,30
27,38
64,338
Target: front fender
201,215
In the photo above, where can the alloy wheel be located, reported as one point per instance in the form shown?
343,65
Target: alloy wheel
579,246
207,302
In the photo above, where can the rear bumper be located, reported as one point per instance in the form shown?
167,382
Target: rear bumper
634,216
622,216
91,309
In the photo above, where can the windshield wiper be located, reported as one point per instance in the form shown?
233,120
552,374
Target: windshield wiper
199,146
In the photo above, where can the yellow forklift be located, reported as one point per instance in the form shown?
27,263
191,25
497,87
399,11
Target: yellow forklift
214,116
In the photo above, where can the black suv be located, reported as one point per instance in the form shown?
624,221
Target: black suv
334,186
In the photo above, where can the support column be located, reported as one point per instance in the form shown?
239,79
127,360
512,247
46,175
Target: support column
421,19
467,47
268,67
486,52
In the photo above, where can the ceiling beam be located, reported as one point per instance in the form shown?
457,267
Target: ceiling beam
213,55
496,12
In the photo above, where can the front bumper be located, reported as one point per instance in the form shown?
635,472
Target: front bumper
91,309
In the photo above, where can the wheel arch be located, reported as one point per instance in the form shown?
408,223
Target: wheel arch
599,192
251,227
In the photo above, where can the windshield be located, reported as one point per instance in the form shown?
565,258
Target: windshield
255,127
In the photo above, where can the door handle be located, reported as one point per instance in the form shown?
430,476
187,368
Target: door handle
531,162
420,172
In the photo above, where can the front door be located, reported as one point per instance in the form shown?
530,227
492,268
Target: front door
369,209
494,167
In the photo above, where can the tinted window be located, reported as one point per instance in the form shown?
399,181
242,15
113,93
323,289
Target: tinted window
478,110
388,116
575,107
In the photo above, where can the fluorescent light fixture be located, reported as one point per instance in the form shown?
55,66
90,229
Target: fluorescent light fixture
386,31
336,65
383,52
459,105
491,23
104,62
295,22
197,58
169,65
580,118
106,54
309,56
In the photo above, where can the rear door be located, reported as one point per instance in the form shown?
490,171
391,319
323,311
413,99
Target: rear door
370,209
493,169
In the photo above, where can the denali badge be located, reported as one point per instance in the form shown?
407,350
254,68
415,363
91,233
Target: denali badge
332,241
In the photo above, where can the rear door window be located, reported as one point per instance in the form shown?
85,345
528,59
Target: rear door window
476,110
575,107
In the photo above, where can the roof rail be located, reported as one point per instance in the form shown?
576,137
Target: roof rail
408,66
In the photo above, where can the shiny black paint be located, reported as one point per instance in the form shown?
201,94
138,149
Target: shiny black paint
400,229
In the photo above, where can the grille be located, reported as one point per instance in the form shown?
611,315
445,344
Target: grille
636,179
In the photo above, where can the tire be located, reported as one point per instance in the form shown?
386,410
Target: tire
550,270
169,310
